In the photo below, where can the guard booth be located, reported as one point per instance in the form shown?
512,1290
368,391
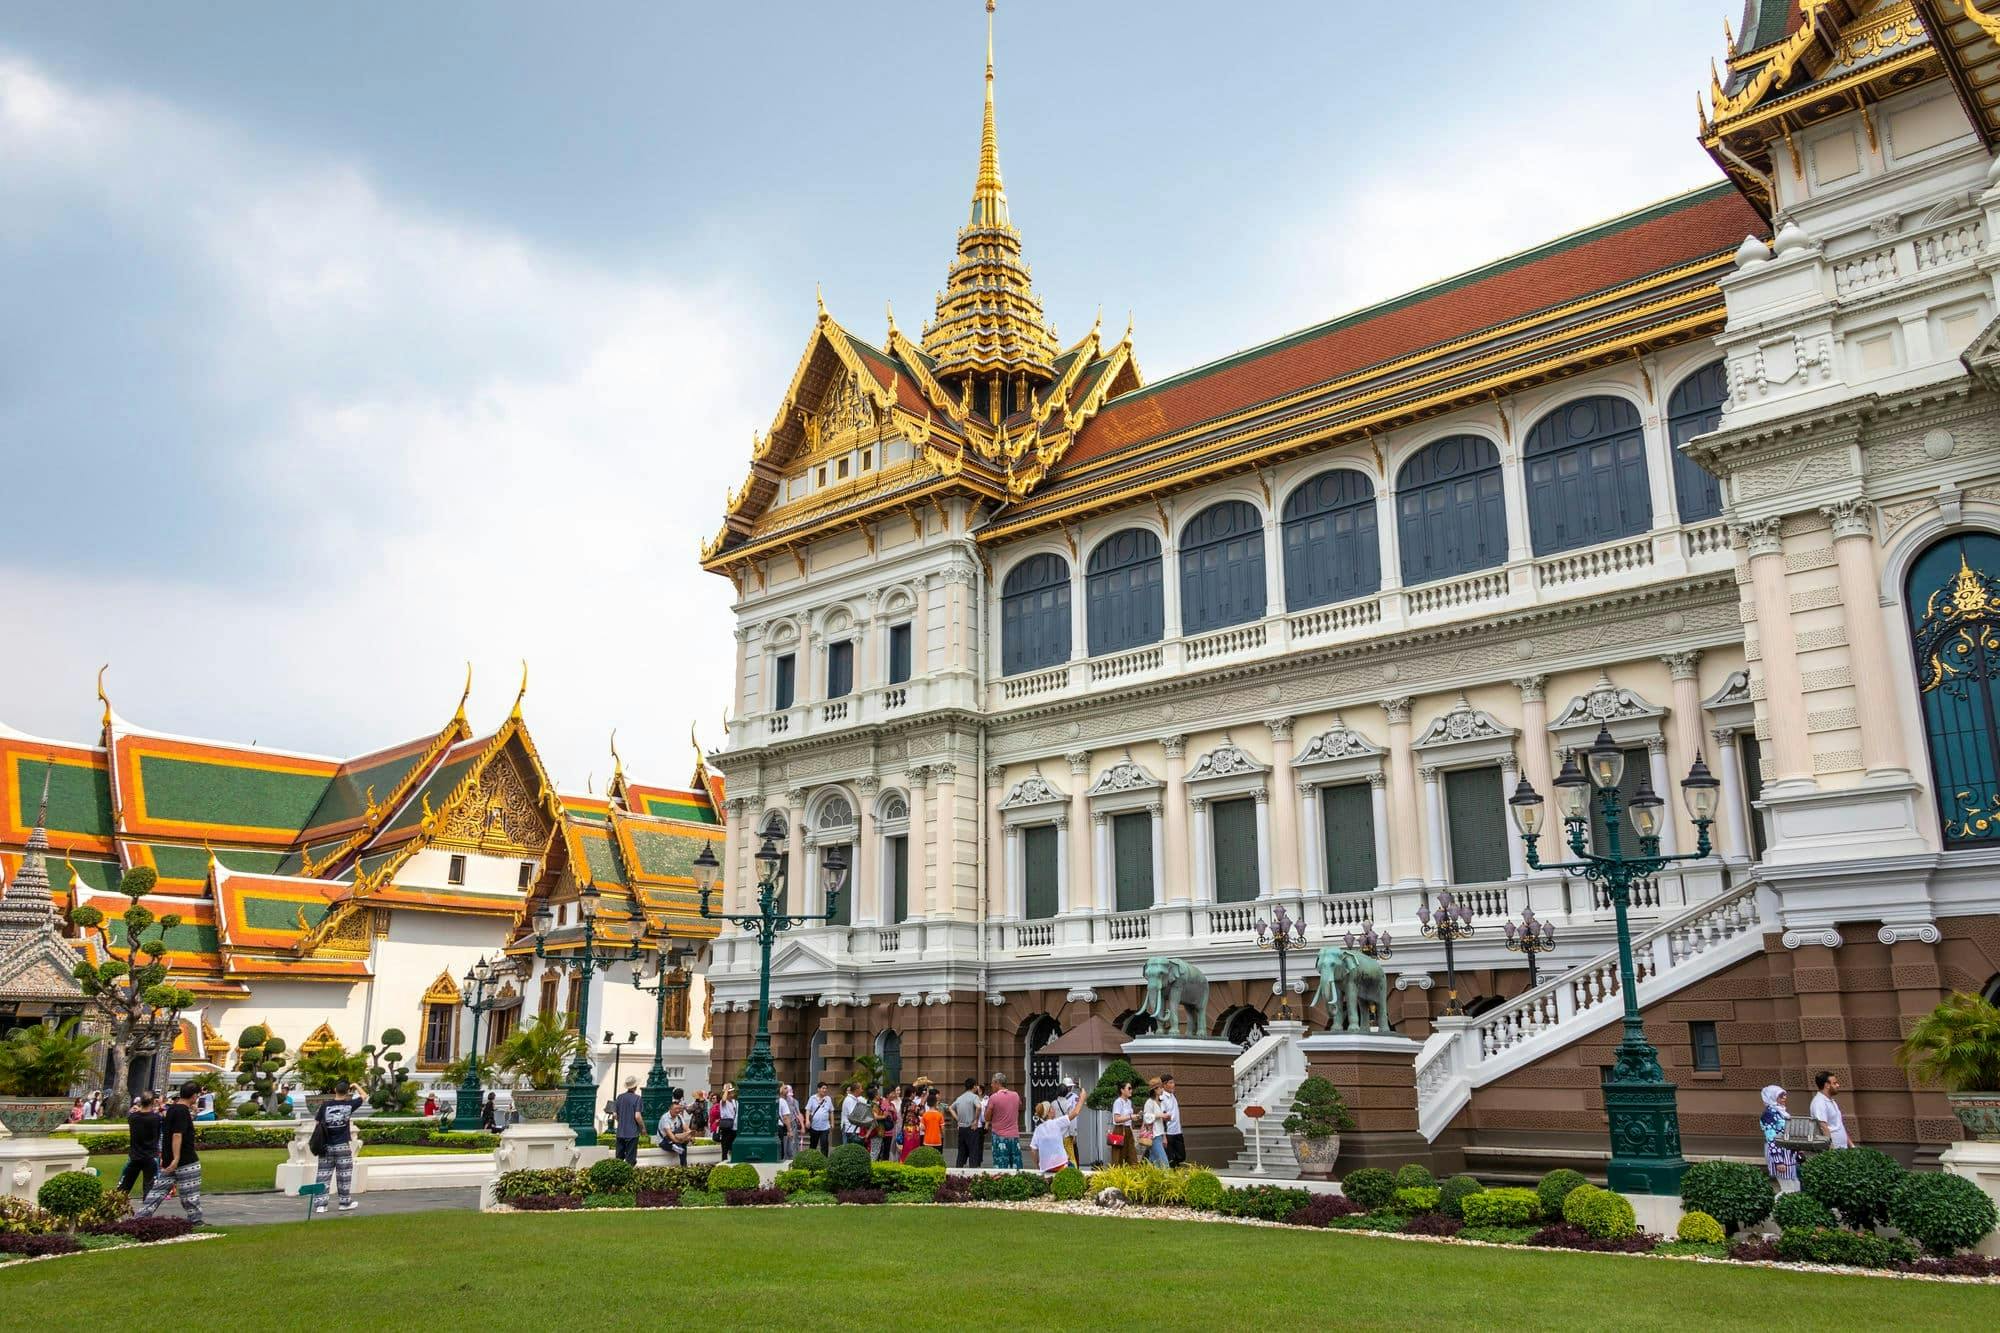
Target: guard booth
1083,1053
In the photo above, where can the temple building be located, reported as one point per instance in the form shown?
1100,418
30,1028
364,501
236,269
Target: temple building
1084,667
334,898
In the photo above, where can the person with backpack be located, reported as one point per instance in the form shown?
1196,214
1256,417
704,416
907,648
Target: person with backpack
333,1141
857,1116
819,1118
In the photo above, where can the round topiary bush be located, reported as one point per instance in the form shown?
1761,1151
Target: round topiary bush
1067,1186
1943,1213
1555,1187
1735,1194
1414,1176
70,1194
925,1156
611,1176
1792,1211
736,1176
1701,1229
1371,1187
1857,1183
1600,1213
847,1169
1502,1208
1452,1194
1414,1199
809,1159
1204,1191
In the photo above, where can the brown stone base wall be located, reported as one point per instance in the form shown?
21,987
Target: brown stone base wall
1380,1088
1205,1083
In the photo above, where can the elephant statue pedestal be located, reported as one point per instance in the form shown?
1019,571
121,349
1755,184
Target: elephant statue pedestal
1377,1075
1204,1073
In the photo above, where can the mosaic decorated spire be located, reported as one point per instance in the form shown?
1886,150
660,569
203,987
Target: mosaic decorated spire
26,906
989,339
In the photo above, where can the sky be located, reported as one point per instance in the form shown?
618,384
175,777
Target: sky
343,345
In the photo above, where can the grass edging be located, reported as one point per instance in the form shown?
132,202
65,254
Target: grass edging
110,1249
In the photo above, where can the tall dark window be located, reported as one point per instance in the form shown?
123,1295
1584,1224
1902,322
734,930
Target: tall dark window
454,871
1233,826
1331,550
1694,409
1034,615
1124,600
1222,567
1707,1046
840,669
899,878
1477,826
1751,755
784,680
1586,464
899,653
1132,860
1038,853
1347,819
440,1034
1953,597
1451,515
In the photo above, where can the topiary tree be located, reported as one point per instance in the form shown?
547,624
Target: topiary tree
809,1159
128,990
611,1176
390,1088
1452,1195
1067,1185
848,1168
1414,1176
1793,1211
1555,1187
1318,1111
1106,1091
1699,1228
1943,1213
925,1156
321,1068
1735,1194
1370,1186
260,1058
70,1194
1857,1183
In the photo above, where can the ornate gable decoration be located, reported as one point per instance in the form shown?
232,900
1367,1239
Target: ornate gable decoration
1957,625
1226,760
322,1037
496,814
1467,734
1605,704
1122,777
1033,790
1735,690
1339,742
444,990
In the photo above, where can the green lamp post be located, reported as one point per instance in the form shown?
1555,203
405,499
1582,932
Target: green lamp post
757,1089
579,1107
1638,1099
669,977
466,1117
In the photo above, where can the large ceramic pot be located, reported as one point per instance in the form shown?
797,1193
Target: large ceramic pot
539,1105
33,1117
1979,1112
1316,1155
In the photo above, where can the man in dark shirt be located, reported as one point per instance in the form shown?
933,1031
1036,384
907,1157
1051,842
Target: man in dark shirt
142,1144
180,1164
628,1112
337,1162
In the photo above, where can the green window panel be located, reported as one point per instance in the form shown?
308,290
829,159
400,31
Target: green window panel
1477,825
899,878
1347,822
1038,856
1233,828
1132,859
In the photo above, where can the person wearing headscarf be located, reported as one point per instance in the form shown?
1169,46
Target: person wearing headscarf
1780,1161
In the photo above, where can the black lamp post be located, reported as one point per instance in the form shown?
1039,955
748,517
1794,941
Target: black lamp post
1452,921
481,973
1645,1122
579,1109
1531,937
618,1052
1283,935
757,1090
670,977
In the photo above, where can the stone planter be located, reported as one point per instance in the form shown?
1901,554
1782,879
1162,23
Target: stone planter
1979,1112
33,1117
1316,1155
539,1106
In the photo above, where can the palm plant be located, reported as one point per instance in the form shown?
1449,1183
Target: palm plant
539,1053
870,1071
43,1061
1956,1046
321,1068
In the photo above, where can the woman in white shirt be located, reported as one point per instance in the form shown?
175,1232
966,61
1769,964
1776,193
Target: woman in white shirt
1053,1126
1124,1128
1155,1125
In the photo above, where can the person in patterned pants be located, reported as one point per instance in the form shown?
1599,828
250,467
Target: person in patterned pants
337,1162
180,1164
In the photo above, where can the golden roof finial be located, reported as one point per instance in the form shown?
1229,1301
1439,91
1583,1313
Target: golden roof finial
989,141
464,694
1728,33
515,715
819,299
1968,591
891,305
104,698
617,764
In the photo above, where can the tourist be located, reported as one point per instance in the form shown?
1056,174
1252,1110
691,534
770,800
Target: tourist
93,1106
1067,1102
965,1114
1827,1111
933,1120
912,1136
1052,1137
675,1131
1780,1161
698,1113
1003,1121
628,1115
819,1117
855,1118
430,1106
886,1119
1170,1111
1153,1125
489,1115
76,1111
725,1120
337,1162
291,1097
1124,1151
979,1146
207,1107
180,1163
142,1144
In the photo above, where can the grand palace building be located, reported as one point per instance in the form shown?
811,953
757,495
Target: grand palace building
1083,667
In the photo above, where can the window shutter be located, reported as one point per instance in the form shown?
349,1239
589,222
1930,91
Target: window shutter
899,877
1038,849
899,654
1478,828
785,688
1347,817
840,669
1132,857
1233,826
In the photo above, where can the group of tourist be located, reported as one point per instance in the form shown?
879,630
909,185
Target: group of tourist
1781,1158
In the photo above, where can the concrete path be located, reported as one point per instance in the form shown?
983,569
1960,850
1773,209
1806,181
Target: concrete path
237,1210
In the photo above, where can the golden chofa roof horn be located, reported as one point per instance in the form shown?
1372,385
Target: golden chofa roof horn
522,693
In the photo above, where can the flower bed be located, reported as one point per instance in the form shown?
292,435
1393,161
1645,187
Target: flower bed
83,1216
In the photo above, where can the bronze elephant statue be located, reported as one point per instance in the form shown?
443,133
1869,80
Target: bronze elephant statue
1349,979
1173,985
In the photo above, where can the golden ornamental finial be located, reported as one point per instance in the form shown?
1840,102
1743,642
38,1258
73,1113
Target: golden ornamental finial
464,694
102,697
819,299
515,714
617,764
1728,33
1968,591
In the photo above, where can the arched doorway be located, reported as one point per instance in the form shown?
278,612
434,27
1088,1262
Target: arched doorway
1953,600
889,1050
1243,1027
1044,1071
1138,1024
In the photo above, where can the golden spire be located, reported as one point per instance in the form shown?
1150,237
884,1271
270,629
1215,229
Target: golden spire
617,764
989,199
466,693
522,693
104,698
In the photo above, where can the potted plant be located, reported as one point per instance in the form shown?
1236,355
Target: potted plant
1318,1117
538,1055
322,1068
1957,1046
39,1065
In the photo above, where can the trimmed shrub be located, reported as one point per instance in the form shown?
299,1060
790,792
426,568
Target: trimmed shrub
18,1217
70,1194
514,1186
1564,1236
1735,1194
1410,1200
1269,1203
1015,1187
1414,1176
1502,1208
657,1198
548,1203
611,1176
1856,1249
1699,1228
34,1245
700,1199
813,1199
1453,1194
1432,1224
610,1199
735,1176
1067,1186
1371,1187
1792,1211
753,1198
1857,1183
1498,1235
925,1156
1204,1191
1756,1250
1322,1209
919,1190
145,1229
855,1196
1958,1265
897,1178
849,1168
954,1189
1555,1187
662,1179
1943,1213
1147,1185
808,1159
1603,1214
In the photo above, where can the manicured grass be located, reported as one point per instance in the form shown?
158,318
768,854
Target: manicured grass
248,1170
736,1268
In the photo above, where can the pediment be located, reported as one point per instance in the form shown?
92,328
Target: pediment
799,959
1606,705
1463,725
1225,761
38,967
1033,790
1123,776
1336,743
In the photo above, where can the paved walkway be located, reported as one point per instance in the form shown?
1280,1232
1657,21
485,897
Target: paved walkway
237,1210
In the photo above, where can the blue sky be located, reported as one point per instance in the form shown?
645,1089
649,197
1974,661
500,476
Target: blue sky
342,344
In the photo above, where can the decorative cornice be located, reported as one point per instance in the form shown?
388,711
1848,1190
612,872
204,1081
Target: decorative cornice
1925,932
1827,936
1124,775
1033,790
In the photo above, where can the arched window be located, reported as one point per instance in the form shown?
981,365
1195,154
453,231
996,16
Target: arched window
889,1050
1451,517
1953,596
1124,599
1034,615
1331,551
1586,464
1694,409
1222,567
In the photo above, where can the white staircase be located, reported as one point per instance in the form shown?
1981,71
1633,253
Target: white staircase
1268,1075
1468,1053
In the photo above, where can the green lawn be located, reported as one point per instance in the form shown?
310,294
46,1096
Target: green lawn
247,1170
800,1268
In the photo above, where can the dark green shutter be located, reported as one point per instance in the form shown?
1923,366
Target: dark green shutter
1628,783
1751,756
843,913
899,877
1233,826
1478,828
1132,860
1038,849
1347,820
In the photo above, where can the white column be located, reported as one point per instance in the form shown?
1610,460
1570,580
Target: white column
1435,866
1265,888
1656,763
1274,566
795,859
920,838
1062,865
1170,587
742,661
1015,872
1867,646
812,689
1202,869
1176,887
1284,855
1517,851
996,792
810,891
1405,868
1312,868
945,808
1378,808
1736,814
1083,893
1778,655
864,880
1079,623
1100,858
1390,539
732,838
1157,814
1535,758
920,632
1684,736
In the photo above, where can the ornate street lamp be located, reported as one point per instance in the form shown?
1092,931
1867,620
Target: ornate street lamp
1645,1123
618,1048
579,1109
757,1090
1452,921
1530,937
477,978
669,977
1369,943
1283,935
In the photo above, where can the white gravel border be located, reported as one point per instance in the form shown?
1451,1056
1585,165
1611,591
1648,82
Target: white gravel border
112,1249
